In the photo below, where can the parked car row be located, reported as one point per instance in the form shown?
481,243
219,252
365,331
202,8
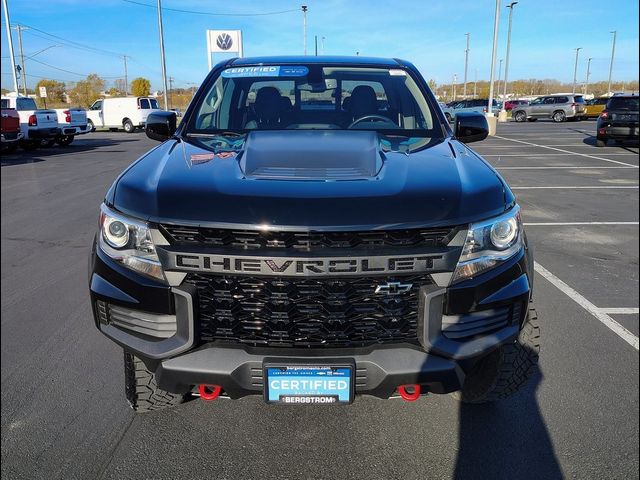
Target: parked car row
38,127
477,105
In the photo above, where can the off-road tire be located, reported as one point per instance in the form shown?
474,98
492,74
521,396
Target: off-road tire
559,116
128,126
506,370
141,389
65,140
520,116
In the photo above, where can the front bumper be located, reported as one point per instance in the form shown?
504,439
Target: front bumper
437,361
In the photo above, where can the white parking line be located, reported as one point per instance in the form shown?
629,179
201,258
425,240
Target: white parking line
580,187
606,320
579,167
620,311
543,154
566,151
562,224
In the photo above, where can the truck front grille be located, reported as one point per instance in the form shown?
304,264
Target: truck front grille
315,313
307,241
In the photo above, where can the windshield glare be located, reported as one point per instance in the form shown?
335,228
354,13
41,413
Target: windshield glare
314,97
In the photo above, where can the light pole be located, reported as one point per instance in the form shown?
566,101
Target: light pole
304,26
466,64
20,28
10,41
506,64
475,85
575,70
322,45
613,52
453,86
164,64
586,83
494,51
499,74
126,78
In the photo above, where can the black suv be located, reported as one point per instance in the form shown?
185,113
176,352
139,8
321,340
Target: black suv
618,120
312,231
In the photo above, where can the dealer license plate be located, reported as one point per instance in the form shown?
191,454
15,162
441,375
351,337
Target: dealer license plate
308,385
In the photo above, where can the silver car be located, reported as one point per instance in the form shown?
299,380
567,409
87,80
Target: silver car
477,105
558,107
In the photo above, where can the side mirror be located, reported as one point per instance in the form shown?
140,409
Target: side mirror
471,127
161,125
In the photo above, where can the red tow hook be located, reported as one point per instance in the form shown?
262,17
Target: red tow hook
409,397
209,392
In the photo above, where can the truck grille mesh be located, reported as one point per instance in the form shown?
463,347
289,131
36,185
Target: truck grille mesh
288,312
306,241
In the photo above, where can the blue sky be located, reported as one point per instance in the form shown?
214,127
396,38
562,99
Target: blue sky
429,33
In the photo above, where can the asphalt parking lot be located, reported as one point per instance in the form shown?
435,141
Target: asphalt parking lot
63,409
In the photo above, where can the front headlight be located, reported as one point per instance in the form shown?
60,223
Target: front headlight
128,242
488,244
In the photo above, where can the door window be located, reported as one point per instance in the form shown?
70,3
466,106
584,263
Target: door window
97,105
144,104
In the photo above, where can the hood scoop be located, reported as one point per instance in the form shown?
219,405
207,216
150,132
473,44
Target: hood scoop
318,155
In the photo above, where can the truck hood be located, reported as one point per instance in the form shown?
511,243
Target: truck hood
311,179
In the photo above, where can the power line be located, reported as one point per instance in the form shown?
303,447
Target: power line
70,72
214,14
74,43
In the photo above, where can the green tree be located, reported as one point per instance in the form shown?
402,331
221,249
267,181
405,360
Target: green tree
55,90
140,87
87,91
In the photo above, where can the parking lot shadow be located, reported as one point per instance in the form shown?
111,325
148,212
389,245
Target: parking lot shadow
628,145
20,157
506,440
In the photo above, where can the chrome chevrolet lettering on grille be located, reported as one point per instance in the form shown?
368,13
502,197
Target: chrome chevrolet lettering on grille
393,288
305,267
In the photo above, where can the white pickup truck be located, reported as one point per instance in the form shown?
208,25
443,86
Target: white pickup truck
72,122
37,126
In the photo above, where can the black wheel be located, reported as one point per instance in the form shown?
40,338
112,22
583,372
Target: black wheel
128,126
601,142
48,143
65,140
29,145
506,370
532,119
520,116
449,117
9,147
141,389
559,116
92,127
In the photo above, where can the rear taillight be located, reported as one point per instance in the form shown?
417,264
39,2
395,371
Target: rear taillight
67,116
33,121
604,114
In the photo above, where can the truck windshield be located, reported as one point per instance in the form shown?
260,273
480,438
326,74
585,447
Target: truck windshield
313,97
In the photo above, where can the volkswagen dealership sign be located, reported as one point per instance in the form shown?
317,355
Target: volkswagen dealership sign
223,41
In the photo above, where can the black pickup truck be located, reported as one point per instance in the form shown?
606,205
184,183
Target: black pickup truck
312,231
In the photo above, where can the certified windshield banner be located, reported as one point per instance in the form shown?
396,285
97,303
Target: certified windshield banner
266,71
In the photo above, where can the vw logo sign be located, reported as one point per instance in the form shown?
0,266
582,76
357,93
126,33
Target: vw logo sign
224,41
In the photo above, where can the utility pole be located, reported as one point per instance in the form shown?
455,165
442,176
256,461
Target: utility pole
466,64
10,41
475,85
575,70
613,52
453,87
304,26
170,89
162,59
322,43
20,28
499,75
506,64
494,51
316,43
126,78
586,83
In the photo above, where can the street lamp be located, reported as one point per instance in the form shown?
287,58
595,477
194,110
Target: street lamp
494,50
586,83
575,70
613,52
506,64
466,64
